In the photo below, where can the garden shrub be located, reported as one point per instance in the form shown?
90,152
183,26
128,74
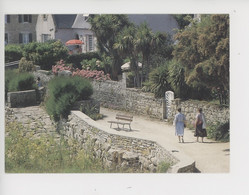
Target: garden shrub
219,131
21,82
63,92
89,74
45,54
26,66
177,79
60,66
93,64
158,81
13,52
76,59
9,75
92,111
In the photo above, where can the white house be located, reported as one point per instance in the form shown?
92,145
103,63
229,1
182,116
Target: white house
66,27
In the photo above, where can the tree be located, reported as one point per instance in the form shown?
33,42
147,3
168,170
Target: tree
203,48
183,19
106,28
144,43
126,46
45,54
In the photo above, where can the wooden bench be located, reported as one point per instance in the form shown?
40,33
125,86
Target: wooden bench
122,120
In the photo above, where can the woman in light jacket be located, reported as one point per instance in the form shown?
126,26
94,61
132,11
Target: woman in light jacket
179,123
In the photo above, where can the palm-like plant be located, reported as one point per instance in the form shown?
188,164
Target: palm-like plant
126,46
106,28
144,42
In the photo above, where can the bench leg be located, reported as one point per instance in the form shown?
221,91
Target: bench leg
111,125
130,126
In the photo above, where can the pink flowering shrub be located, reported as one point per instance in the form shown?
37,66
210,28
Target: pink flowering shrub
60,65
90,74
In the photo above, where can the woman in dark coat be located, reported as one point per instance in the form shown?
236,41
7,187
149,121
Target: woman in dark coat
200,125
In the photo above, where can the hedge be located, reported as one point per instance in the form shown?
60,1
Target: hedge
63,92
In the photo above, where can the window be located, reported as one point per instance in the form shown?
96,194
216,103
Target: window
46,37
90,39
25,38
7,19
6,39
25,18
45,17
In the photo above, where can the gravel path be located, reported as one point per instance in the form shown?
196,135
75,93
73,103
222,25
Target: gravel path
210,156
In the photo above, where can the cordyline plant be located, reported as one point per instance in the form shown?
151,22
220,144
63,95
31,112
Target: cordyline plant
90,74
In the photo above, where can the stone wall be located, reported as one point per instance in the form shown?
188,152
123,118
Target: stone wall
25,98
115,95
213,113
22,98
116,151
87,106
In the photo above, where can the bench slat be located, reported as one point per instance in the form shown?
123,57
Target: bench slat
124,118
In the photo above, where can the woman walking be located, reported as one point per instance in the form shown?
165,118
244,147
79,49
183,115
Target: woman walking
200,126
179,123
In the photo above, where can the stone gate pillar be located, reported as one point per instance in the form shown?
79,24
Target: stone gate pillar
169,96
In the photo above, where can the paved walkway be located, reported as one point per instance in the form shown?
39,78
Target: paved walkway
210,157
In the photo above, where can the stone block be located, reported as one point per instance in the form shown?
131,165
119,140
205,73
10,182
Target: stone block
65,73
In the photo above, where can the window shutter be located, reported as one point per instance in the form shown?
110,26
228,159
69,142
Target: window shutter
8,18
30,18
20,37
30,37
20,18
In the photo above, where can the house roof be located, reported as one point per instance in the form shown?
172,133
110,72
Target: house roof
64,20
157,22
81,22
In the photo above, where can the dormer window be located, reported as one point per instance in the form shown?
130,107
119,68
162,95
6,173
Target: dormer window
25,18
86,16
45,17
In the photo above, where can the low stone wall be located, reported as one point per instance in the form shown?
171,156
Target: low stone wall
21,98
213,113
115,95
87,106
116,151
25,98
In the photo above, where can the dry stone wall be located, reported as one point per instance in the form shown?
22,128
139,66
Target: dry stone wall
213,113
116,151
22,98
25,98
115,95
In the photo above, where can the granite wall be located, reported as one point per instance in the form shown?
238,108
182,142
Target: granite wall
115,95
116,151
25,98
213,113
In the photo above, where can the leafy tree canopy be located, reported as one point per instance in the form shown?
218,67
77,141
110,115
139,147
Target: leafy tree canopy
203,48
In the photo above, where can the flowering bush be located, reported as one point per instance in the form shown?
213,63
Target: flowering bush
60,65
90,74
